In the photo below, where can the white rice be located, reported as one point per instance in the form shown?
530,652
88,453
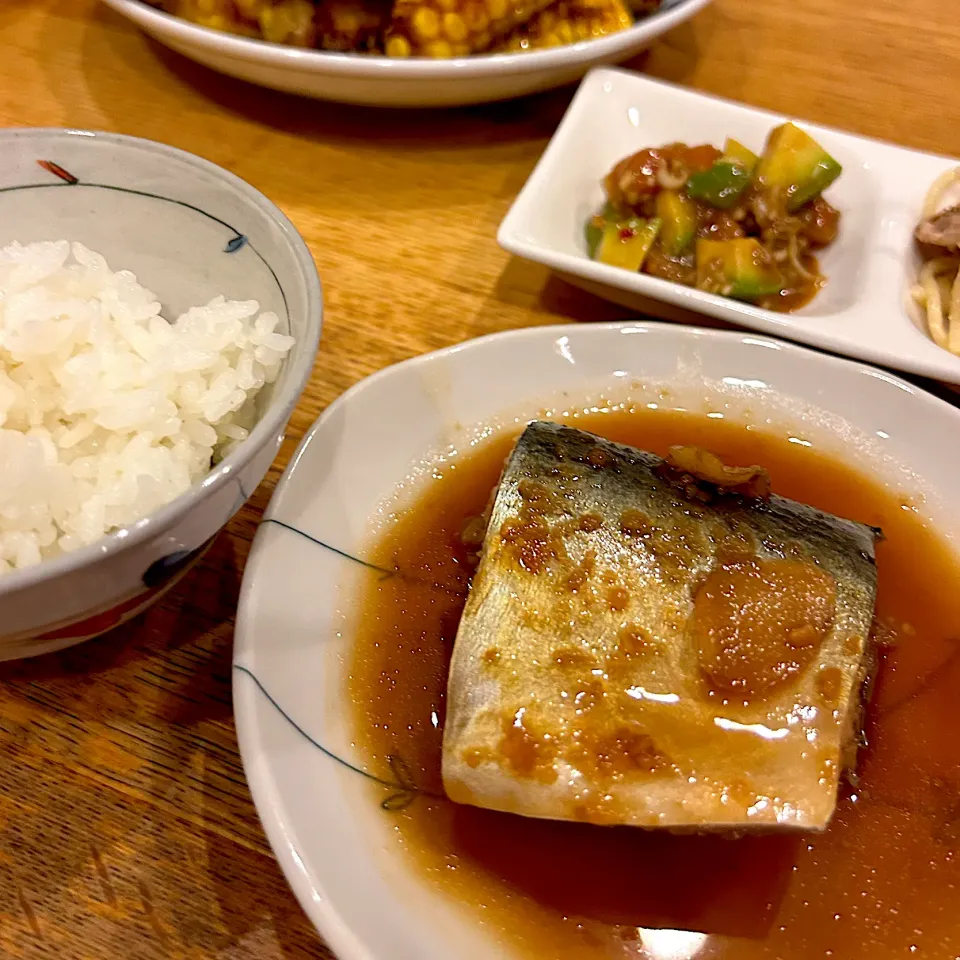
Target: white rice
107,409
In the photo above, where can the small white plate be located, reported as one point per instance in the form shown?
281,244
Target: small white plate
393,82
299,595
864,311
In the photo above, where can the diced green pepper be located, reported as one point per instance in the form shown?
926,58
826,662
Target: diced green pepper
795,163
627,243
679,222
736,152
721,186
739,268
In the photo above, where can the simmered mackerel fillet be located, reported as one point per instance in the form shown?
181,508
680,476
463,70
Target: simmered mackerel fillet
645,646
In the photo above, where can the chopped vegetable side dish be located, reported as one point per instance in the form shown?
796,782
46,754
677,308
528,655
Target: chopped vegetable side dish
725,221
423,28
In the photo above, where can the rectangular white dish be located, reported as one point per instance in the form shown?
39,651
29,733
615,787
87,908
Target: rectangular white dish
864,310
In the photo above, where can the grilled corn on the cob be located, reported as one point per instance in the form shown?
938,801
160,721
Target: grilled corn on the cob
454,28
279,21
568,21
216,14
286,21
431,28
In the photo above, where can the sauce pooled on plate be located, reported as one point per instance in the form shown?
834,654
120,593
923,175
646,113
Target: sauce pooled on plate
880,883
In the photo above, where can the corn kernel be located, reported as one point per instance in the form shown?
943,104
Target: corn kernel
478,23
454,29
288,22
398,47
476,18
439,49
425,24
568,21
251,9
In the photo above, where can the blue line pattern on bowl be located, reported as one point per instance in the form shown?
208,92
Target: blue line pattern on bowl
403,784
166,568
403,787
384,571
237,242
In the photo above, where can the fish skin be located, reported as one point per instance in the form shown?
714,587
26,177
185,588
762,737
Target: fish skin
528,645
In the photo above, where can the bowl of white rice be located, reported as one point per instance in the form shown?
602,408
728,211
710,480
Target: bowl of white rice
159,319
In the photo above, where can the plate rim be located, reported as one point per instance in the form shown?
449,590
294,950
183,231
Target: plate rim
248,698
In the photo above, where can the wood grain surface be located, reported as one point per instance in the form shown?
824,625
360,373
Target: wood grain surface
126,827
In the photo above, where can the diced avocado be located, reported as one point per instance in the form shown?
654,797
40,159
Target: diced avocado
679,222
593,228
794,162
627,243
721,186
739,268
736,152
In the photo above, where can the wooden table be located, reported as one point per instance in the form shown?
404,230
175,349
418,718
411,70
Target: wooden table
126,827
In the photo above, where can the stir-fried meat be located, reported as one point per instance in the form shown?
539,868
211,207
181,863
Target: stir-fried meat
675,269
714,224
821,223
636,179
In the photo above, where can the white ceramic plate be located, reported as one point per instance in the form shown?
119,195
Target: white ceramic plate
380,81
864,310
300,587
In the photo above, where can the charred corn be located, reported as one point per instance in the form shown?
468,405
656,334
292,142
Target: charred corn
279,21
454,28
568,21
216,14
352,25
287,21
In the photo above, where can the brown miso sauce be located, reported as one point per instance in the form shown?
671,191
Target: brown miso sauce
880,883
799,290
